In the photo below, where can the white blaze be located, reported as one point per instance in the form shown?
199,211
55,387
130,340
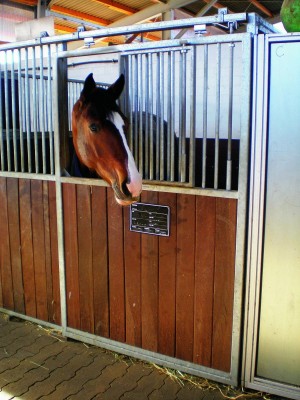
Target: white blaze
135,185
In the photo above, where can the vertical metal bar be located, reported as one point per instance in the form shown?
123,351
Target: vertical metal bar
161,129
192,150
50,112
230,101
27,113
130,101
1,123
182,117
7,109
150,88
140,119
14,112
146,128
171,117
158,116
42,108
136,107
205,87
21,110
217,116
34,109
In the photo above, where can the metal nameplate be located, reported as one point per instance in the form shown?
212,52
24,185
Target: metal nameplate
150,218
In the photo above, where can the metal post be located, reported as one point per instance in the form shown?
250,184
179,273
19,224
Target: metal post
205,88
217,116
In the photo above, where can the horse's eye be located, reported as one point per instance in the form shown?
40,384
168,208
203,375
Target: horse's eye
94,128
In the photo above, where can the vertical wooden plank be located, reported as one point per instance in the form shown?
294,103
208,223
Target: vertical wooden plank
15,243
85,258
38,236
132,255
167,280
204,279
71,255
56,313
226,213
48,261
100,261
27,247
116,268
185,276
149,283
5,262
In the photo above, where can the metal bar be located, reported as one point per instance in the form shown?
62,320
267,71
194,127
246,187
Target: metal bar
21,110
1,123
27,113
158,116
150,91
42,109
50,113
217,116
182,117
130,101
205,88
230,106
35,110
161,128
136,107
146,133
171,118
140,119
7,109
192,145
14,112
131,29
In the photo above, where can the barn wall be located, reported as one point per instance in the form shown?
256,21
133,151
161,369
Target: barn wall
172,295
29,280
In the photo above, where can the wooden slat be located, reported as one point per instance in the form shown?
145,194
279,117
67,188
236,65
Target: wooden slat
5,262
204,279
48,261
100,261
116,268
185,276
149,283
15,244
71,255
38,236
132,255
226,213
85,260
56,313
27,247
167,280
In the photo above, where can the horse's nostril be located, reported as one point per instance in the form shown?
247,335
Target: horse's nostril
125,189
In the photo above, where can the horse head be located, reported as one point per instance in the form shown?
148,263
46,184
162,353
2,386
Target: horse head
99,129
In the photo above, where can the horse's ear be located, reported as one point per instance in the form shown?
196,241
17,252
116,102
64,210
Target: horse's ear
89,85
116,88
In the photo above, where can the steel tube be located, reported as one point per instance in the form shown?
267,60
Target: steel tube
27,113
14,113
182,116
7,109
150,89
158,111
230,107
42,109
171,120
50,112
205,88
161,125
1,123
35,110
192,145
140,112
21,110
146,128
217,116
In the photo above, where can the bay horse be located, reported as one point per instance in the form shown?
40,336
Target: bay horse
99,130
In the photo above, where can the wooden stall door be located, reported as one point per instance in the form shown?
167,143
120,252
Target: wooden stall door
170,295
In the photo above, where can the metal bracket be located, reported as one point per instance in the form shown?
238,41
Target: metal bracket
88,42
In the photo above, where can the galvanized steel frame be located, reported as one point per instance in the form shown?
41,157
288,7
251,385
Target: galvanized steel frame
59,65
257,193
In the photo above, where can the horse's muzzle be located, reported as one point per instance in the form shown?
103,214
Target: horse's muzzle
123,195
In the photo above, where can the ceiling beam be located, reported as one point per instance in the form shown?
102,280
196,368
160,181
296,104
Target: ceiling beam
149,12
78,14
200,13
31,3
262,8
64,29
114,5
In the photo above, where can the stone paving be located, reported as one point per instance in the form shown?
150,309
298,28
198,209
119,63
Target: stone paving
37,363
